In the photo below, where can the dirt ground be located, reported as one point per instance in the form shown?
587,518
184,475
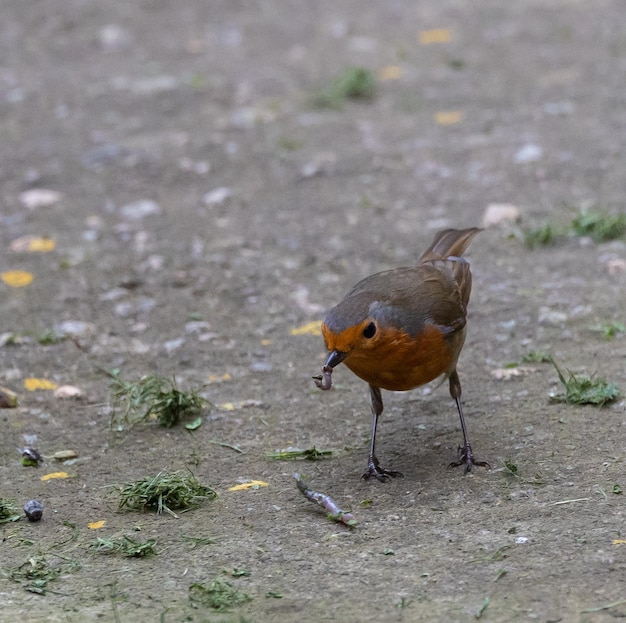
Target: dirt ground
207,208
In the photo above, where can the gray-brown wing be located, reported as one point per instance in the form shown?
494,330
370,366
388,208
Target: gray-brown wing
409,298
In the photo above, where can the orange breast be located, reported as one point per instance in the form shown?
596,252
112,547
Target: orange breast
399,362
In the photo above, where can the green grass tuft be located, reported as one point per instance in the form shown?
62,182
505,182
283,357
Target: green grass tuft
543,236
289,454
197,541
599,225
609,330
8,512
355,83
38,571
511,467
50,336
218,595
153,396
536,356
124,545
165,492
582,390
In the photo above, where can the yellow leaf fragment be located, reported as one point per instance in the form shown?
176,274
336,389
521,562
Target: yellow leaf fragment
96,525
310,328
619,541
17,278
219,378
435,35
239,404
55,475
266,342
41,245
33,384
448,117
32,244
252,484
390,72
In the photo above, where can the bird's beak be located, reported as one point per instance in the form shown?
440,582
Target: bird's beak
334,358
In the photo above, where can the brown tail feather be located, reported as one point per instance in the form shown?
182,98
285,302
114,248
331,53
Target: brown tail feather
449,242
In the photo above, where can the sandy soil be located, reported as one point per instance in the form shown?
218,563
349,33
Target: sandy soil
207,208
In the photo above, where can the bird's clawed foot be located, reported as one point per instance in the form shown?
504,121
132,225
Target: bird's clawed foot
466,457
380,473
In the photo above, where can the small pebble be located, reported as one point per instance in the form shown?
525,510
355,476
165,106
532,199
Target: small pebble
562,108
68,391
171,345
102,155
154,84
65,455
499,213
528,153
261,366
551,317
139,209
33,510
39,198
75,328
30,456
114,38
8,399
217,196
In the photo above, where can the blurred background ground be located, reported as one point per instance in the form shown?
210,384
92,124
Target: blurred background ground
204,206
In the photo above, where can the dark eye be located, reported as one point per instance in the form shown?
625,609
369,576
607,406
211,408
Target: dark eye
369,331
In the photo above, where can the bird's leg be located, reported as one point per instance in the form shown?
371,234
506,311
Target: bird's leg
373,466
466,456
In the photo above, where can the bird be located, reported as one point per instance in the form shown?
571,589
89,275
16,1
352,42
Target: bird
402,328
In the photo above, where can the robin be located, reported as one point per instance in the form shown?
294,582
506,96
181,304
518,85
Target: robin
402,328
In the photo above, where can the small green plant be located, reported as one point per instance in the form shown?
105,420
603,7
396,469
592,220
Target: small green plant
513,470
455,63
124,545
609,330
543,236
310,454
536,356
483,607
167,492
36,572
12,338
599,225
46,338
354,83
153,396
274,595
8,512
286,144
404,602
197,541
582,390
511,467
218,595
